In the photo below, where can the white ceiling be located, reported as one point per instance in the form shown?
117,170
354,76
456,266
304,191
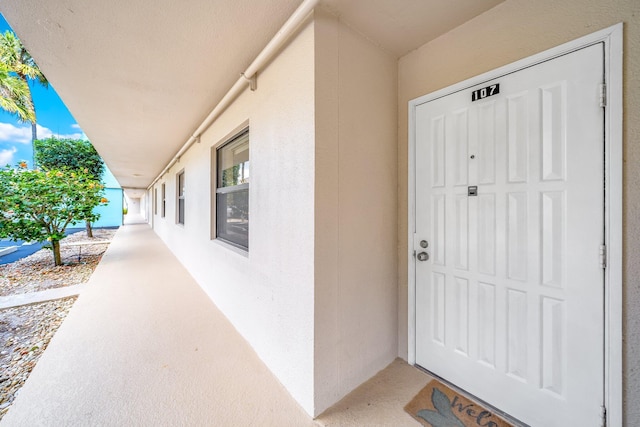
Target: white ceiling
139,76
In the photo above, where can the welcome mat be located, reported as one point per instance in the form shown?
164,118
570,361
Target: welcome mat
437,405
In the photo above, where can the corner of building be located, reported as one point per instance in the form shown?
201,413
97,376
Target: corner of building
355,309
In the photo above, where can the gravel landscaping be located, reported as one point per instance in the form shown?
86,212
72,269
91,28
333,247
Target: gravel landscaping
25,331
38,273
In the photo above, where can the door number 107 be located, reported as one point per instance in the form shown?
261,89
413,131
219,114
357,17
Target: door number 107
485,92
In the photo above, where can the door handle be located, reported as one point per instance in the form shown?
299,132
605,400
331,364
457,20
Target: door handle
423,256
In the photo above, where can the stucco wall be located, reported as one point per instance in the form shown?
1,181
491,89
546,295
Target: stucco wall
316,296
267,295
111,214
355,197
134,205
513,30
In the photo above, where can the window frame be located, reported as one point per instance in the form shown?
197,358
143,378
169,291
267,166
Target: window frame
163,210
180,198
232,137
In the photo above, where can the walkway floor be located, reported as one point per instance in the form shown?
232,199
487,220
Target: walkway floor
133,218
146,347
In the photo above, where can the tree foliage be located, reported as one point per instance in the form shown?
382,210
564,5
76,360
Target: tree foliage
73,154
14,96
76,154
15,55
19,62
38,205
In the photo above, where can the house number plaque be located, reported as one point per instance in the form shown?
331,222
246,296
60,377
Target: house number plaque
485,92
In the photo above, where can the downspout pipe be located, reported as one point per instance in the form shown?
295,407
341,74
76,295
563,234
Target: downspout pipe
263,57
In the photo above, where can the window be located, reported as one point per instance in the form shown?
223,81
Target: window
232,191
163,208
180,185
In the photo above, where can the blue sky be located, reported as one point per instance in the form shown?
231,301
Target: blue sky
53,118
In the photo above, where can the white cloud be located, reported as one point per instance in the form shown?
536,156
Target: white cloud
44,132
82,135
6,156
13,133
22,134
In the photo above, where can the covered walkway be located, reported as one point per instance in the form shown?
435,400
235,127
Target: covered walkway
145,346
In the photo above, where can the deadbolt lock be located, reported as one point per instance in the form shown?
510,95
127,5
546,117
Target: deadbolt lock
424,243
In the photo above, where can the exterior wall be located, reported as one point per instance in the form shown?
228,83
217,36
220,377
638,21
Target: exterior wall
268,294
316,295
151,204
111,214
133,205
514,30
355,210
144,206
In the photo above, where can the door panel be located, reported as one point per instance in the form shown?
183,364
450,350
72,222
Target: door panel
509,305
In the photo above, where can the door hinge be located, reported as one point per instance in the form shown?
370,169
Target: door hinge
603,256
603,416
603,95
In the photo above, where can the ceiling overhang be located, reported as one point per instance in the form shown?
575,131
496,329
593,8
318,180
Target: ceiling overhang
139,77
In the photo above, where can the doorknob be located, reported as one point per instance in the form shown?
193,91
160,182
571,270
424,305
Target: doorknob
423,256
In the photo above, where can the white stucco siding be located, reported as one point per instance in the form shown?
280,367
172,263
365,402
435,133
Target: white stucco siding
355,199
268,294
514,30
316,295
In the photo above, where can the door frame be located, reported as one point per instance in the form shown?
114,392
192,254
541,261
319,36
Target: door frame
612,38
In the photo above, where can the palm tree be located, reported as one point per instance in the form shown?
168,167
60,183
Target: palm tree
14,96
14,55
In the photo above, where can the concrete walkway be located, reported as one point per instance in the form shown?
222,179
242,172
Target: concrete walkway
42,296
134,218
146,347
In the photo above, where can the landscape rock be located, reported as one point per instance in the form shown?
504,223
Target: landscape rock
25,331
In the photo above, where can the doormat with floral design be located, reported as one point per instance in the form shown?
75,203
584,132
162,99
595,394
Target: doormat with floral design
437,405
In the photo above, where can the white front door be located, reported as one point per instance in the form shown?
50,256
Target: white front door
509,204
